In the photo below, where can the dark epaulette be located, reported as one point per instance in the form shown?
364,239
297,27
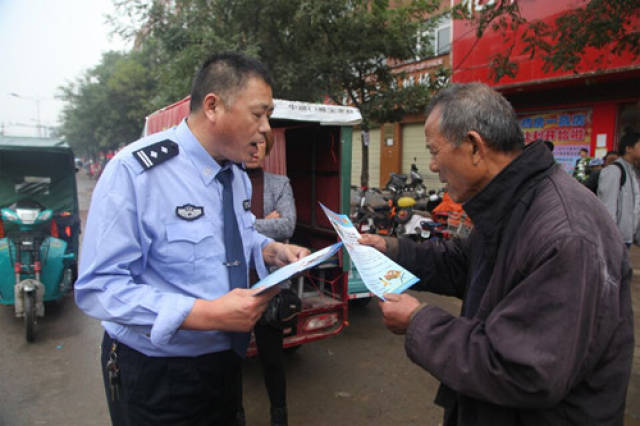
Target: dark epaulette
156,153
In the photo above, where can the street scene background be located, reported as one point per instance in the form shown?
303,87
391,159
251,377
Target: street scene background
360,377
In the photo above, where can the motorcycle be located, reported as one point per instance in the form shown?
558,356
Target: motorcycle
372,212
434,198
411,184
407,203
416,184
403,202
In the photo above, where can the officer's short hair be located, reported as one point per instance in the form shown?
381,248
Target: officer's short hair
225,74
475,106
628,140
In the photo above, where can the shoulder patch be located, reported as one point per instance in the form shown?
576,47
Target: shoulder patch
156,153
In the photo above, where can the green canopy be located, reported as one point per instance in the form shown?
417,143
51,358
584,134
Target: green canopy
40,169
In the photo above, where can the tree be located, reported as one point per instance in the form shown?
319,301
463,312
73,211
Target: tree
107,105
335,48
351,48
609,26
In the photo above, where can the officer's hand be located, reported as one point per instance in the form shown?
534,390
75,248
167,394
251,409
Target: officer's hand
375,241
279,254
273,215
237,310
397,310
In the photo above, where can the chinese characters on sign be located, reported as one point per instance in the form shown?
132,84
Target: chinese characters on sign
569,131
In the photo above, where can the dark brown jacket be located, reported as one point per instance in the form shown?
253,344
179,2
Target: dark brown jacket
545,336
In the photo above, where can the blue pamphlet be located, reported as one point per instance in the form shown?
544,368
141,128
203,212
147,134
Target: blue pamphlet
282,274
379,273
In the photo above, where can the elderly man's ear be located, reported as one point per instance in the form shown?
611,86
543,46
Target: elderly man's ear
477,145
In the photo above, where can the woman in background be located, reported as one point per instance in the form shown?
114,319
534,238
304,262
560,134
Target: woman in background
274,207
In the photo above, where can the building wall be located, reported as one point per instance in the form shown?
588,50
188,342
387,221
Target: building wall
414,148
471,57
604,88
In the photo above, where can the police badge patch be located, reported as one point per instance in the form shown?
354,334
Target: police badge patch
189,212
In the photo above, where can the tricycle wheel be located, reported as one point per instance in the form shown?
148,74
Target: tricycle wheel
29,315
74,276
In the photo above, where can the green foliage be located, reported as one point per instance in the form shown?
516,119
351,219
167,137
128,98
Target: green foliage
313,48
107,105
599,24
343,49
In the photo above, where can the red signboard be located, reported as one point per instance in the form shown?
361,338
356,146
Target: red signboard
569,130
471,56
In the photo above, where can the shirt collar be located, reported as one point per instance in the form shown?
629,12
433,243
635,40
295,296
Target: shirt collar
207,167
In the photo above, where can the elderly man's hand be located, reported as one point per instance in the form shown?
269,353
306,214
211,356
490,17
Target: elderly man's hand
375,241
279,254
397,310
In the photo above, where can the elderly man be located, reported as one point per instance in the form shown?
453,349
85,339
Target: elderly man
545,335
169,241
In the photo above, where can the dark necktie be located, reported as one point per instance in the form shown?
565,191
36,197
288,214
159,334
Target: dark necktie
236,264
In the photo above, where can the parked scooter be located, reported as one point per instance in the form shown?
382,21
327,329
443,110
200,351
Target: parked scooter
402,201
431,229
411,185
434,198
372,213
415,185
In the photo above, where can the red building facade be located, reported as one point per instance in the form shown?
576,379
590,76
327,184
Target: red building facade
587,108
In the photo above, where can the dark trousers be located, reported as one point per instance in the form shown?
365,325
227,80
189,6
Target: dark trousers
269,343
173,391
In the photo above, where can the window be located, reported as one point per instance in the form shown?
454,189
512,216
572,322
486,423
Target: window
443,37
435,37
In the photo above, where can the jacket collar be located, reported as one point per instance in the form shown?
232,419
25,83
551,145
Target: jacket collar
489,207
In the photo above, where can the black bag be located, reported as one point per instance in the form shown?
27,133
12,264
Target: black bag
282,309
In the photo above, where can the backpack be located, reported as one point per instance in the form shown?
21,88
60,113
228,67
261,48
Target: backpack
623,174
623,177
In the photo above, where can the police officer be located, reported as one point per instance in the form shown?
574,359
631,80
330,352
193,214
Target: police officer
168,243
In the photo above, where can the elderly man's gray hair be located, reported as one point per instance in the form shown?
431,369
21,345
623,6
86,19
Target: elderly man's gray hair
475,106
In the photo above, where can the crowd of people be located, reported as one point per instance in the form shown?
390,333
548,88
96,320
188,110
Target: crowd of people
545,334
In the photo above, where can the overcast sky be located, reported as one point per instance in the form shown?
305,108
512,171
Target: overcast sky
45,44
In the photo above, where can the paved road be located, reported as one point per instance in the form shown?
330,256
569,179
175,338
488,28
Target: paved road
55,380
360,377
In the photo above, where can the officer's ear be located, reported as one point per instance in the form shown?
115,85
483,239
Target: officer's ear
211,106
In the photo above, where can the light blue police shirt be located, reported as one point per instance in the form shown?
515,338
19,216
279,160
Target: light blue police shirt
142,265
